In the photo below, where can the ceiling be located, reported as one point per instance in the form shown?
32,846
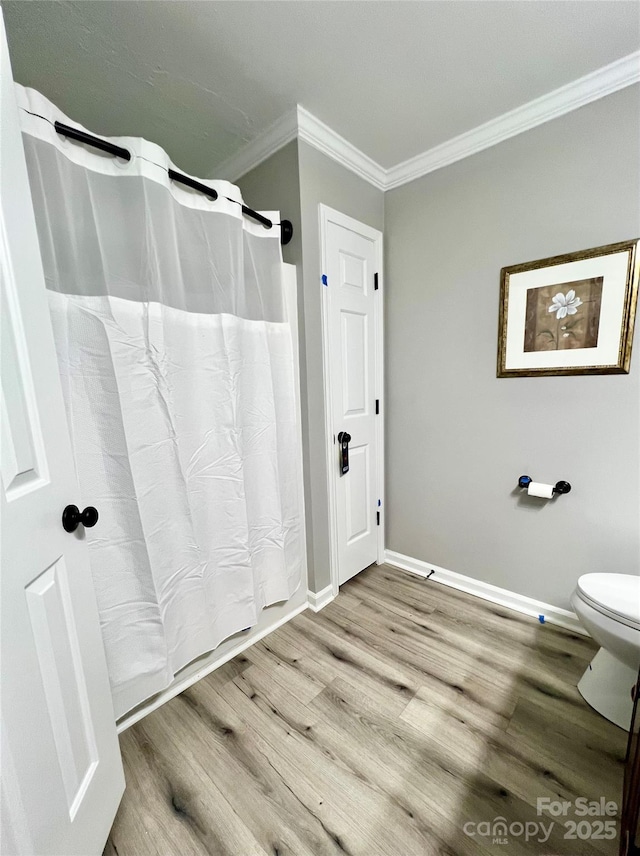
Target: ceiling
394,78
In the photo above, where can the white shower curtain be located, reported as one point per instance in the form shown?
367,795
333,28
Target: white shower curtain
177,367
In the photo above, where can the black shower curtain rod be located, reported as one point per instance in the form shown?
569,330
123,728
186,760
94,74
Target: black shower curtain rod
286,227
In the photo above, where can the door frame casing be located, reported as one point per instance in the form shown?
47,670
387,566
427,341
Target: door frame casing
328,215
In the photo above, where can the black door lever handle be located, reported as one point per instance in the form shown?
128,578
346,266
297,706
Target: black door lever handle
344,439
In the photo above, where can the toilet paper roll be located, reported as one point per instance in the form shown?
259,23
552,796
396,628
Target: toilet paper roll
540,489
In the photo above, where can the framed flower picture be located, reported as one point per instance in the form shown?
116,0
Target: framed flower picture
570,314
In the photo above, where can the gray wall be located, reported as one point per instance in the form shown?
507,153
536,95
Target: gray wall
322,180
458,437
275,184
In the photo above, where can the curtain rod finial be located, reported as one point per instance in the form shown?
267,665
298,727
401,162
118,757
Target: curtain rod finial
286,232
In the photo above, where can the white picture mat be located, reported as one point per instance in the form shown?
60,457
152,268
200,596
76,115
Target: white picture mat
613,268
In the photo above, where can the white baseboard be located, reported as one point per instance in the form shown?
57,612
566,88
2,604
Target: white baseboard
318,600
213,661
510,599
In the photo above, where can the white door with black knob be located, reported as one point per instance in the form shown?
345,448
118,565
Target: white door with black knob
352,285
62,776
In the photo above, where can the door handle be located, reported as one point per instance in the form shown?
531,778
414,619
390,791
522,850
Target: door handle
72,517
344,439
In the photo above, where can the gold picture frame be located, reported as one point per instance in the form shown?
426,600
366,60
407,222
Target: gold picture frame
570,314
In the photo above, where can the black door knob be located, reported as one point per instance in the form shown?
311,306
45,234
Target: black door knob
72,517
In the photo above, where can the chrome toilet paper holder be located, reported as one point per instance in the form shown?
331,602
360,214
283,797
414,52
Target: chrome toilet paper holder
559,487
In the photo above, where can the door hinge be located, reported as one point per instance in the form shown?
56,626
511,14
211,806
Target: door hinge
377,518
375,282
377,406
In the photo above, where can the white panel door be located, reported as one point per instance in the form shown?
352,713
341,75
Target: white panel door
352,257
62,776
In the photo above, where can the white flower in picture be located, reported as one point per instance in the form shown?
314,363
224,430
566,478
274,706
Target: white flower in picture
564,305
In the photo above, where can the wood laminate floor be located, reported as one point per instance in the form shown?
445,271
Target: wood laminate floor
380,726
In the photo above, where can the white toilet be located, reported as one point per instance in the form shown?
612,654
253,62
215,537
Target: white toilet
608,605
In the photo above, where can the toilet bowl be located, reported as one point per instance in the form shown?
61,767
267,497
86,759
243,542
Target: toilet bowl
608,606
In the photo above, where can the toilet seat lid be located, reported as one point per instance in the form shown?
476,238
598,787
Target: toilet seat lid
618,594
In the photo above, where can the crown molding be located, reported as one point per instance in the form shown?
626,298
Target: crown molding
605,81
300,123
271,140
323,138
